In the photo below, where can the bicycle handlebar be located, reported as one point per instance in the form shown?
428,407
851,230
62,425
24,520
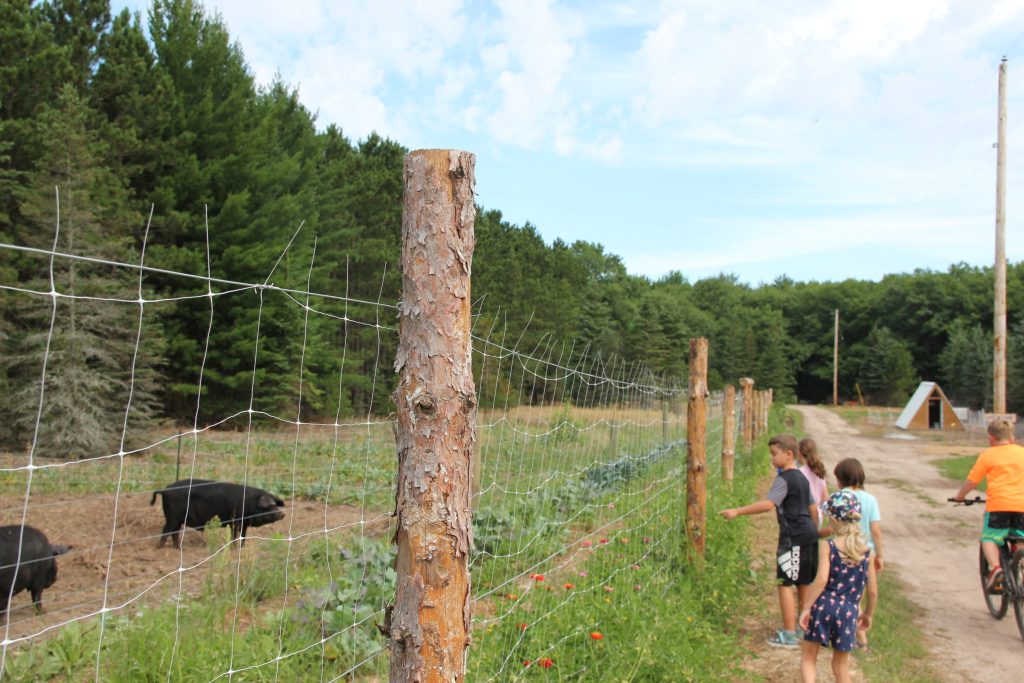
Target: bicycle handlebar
967,501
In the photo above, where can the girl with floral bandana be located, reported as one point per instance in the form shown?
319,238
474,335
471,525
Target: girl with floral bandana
844,571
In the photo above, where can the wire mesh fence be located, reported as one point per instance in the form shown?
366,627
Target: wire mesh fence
578,482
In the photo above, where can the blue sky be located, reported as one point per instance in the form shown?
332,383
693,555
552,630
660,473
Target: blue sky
821,141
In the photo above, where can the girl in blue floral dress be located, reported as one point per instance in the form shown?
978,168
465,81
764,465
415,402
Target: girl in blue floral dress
844,571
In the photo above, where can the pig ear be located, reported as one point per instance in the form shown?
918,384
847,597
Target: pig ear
59,549
265,501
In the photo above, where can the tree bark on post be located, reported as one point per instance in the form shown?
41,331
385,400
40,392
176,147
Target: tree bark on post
747,387
429,623
728,432
696,447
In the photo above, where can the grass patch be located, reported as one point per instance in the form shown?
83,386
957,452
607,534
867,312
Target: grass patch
956,468
898,652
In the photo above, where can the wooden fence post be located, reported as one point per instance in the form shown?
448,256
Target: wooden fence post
728,432
747,387
664,423
696,447
429,622
758,413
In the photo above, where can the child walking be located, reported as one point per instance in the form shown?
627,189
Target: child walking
844,571
813,468
797,553
850,476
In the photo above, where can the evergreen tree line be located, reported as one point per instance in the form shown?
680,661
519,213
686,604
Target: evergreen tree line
164,150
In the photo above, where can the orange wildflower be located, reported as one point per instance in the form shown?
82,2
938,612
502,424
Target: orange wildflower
594,635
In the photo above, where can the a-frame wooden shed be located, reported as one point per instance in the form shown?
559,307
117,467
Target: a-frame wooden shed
928,408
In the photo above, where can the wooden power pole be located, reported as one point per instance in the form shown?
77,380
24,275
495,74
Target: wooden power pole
835,363
999,333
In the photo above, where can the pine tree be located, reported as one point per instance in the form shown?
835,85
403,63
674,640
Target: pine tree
886,370
966,365
91,365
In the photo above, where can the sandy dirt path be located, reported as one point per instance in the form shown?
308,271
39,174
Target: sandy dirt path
932,545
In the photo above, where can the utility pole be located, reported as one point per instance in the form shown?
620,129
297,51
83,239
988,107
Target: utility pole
835,364
999,334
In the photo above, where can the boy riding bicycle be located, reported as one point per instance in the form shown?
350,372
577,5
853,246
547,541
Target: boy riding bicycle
1002,463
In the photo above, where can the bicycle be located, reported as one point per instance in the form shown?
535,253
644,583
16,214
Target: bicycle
1011,558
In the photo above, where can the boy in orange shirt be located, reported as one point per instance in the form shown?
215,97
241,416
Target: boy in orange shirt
1003,465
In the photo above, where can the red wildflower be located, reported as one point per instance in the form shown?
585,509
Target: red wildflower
594,635
537,577
638,587
511,596
522,627
587,544
527,662
570,585
545,662
604,540
647,539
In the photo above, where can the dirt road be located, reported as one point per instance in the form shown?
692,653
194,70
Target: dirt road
934,547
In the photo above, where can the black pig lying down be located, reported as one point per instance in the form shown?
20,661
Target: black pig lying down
36,570
237,505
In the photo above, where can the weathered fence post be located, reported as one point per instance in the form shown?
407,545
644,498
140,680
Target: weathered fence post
429,622
747,387
664,423
758,413
696,446
728,432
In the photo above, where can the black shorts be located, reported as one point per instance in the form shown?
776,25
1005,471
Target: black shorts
796,565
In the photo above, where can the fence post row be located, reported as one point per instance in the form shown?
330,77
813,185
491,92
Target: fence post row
696,446
728,432
758,412
428,624
747,387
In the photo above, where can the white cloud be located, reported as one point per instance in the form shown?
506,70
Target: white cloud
532,97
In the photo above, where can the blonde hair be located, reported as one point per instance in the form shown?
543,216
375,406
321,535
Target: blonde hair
1000,429
849,541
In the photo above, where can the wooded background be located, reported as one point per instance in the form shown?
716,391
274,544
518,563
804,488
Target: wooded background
124,121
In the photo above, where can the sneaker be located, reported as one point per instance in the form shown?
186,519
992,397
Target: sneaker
994,581
786,639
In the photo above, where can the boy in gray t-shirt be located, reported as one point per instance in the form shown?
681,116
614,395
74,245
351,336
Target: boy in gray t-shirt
797,553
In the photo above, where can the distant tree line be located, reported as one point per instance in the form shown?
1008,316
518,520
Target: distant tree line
125,123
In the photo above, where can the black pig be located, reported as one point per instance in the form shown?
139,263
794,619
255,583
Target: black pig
211,499
36,570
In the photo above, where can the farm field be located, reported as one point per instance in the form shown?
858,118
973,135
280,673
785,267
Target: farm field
577,512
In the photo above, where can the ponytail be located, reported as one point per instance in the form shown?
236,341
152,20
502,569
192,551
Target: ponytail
809,452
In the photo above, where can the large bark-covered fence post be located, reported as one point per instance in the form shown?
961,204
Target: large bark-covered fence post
728,432
696,447
747,387
429,623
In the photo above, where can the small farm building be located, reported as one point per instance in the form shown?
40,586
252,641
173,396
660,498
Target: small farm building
928,408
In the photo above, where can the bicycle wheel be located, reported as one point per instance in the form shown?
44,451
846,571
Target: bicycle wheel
997,603
1017,579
